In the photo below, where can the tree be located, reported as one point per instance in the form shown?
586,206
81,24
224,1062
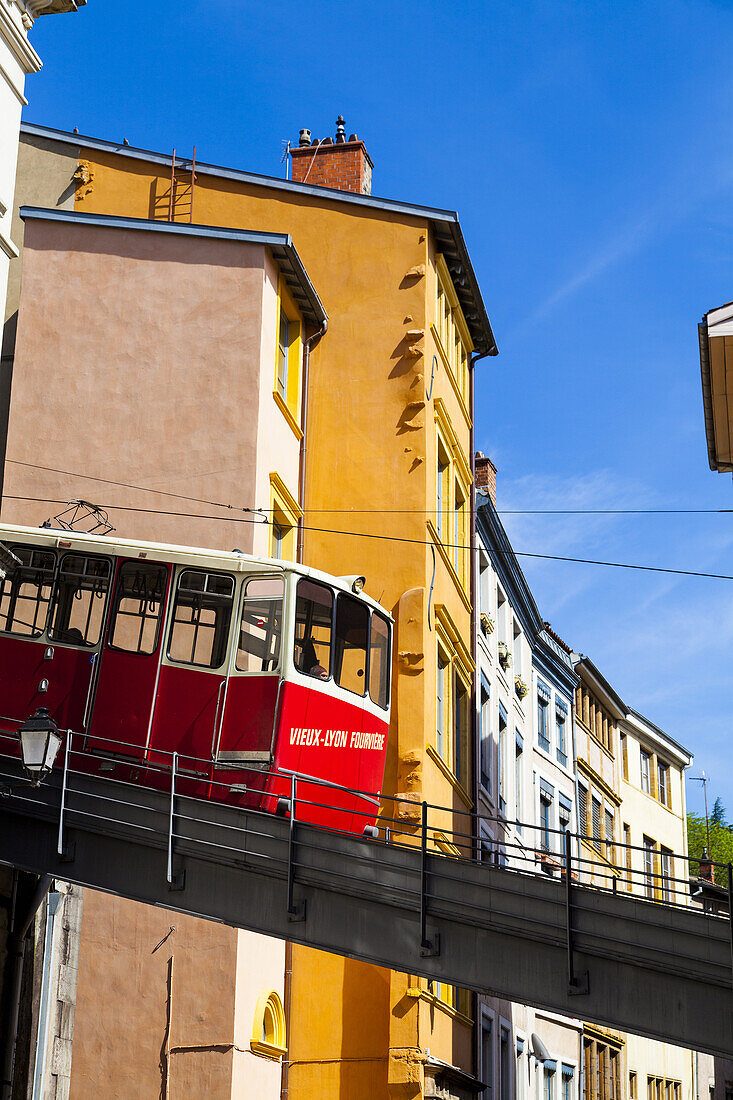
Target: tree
717,817
721,841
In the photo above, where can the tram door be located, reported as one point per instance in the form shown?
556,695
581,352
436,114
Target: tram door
130,660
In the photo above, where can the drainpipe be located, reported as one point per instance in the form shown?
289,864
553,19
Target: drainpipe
39,1076
285,1077
14,980
304,423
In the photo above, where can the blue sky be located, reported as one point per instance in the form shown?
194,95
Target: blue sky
589,151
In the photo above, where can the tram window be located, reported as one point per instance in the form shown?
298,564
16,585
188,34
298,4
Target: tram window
261,628
379,661
80,600
201,618
313,616
138,607
352,631
26,592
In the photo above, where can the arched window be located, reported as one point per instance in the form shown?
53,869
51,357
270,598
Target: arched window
268,1027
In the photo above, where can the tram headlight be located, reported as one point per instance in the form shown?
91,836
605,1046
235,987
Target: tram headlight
356,583
40,742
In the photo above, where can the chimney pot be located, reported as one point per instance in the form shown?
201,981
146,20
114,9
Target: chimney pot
326,164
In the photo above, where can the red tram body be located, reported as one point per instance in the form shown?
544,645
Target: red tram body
252,670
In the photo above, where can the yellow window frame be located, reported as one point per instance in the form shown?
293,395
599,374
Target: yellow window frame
289,399
269,1029
285,512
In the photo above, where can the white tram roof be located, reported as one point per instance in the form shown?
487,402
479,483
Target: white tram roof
234,561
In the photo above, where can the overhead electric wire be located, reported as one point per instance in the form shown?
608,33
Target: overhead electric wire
372,511
396,538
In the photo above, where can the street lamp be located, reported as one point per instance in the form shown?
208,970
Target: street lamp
40,741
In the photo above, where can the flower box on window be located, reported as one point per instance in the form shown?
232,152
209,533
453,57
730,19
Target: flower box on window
505,657
520,687
487,623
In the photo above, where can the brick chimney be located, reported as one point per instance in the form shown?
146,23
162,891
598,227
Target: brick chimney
486,475
330,162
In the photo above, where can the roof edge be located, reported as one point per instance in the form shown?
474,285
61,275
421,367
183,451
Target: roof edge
294,271
480,327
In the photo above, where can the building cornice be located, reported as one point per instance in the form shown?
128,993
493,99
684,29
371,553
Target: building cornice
655,738
18,43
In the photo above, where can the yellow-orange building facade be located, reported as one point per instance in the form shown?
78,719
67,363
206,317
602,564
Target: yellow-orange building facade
387,455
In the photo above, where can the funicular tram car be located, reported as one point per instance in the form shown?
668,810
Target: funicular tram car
251,669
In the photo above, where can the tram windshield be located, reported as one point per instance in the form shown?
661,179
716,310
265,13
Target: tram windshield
261,628
313,619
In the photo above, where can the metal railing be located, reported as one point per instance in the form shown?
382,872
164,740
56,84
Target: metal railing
661,877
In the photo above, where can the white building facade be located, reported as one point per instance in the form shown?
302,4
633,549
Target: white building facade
17,60
525,798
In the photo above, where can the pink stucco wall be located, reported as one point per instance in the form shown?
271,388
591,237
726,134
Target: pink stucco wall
138,360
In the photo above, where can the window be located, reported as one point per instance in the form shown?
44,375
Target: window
546,793
269,1037
138,607
624,757
442,710
645,771
627,855
543,732
582,810
501,616
517,648
460,534
288,357
519,1071
564,814
548,1081
487,1056
663,783
261,626
596,823
460,729
504,1073
568,1075
602,1071
649,849
379,660
502,758
442,495
351,640
201,616
80,600
313,615
454,340
26,592
518,777
609,824
285,513
666,859
283,347
485,751
633,1094
560,717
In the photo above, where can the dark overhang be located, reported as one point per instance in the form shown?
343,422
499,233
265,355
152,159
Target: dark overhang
280,245
444,223
715,323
